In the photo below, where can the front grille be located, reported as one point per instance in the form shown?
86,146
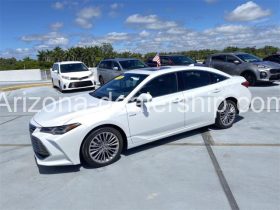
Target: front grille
79,78
275,77
31,128
80,84
39,149
275,71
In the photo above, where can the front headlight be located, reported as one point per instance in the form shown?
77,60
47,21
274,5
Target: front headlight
66,77
59,130
261,66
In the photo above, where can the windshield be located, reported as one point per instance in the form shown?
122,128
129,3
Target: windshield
182,60
132,64
249,58
118,88
73,67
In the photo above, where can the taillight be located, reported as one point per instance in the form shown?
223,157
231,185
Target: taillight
246,84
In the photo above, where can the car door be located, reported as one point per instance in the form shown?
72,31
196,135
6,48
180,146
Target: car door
200,93
160,117
231,67
108,71
115,72
54,74
219,62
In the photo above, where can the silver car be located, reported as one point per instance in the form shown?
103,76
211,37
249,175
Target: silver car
111,68
249,66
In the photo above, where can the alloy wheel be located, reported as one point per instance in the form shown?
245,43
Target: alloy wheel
228,114
104,147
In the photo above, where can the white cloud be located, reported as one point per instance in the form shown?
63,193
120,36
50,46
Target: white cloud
58,5
56,26
248,12
85,16
227,29
150,22
50,39
144,33
115,6
18,53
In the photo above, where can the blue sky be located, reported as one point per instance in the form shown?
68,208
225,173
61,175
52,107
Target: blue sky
28,26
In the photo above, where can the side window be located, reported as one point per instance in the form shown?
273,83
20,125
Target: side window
195,79
165,61
115,64
108,65
102,64
55,67
221,58
160,86
217,78
231,59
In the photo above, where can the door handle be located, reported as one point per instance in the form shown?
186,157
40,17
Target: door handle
177,100
217,90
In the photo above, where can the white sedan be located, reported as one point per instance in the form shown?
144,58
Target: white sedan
135,108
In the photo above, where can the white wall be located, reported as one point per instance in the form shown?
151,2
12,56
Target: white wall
20,75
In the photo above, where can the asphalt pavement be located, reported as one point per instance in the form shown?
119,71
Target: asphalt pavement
236,168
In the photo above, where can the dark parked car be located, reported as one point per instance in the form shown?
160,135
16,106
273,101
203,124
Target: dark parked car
172,60
273,58
110,68
249,66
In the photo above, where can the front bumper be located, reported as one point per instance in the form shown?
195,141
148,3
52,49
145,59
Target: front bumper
270,75
56,150
77,84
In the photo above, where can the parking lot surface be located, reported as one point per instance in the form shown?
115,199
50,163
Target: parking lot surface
202,169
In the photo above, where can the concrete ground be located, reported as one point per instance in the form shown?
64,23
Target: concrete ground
202,169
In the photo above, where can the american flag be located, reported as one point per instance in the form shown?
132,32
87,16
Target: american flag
157,59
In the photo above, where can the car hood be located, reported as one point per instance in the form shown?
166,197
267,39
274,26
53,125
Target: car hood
77,74
67,109
268,64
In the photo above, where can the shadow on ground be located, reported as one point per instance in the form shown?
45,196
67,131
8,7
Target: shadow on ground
266,84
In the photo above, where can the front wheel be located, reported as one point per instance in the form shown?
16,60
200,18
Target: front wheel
250,77
102,147
226,114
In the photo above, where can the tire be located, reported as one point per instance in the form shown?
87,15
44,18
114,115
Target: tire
60,88
101,80
94,150
53,84
226,114
250,77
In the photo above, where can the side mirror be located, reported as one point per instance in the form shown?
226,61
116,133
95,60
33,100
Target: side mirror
143,98
236,62
116,68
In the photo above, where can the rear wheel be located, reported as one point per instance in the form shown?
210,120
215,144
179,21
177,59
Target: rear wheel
226,114
250,77
102,147
101,80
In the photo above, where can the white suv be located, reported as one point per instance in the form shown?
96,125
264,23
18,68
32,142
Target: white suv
69,75
135,108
